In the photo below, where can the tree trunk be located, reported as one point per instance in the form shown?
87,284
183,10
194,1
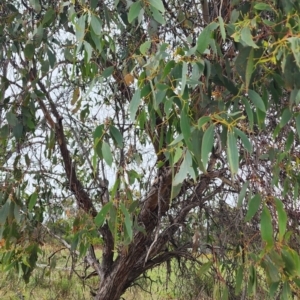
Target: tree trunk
114,284
124,270
130,263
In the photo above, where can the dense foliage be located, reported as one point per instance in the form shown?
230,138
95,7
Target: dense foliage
156,130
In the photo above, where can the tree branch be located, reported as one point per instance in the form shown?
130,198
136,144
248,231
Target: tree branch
75,185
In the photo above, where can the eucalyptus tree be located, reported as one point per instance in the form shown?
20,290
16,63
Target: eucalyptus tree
161,121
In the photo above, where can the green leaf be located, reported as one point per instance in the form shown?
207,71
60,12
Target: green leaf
242,194
295,45
266,227
18,131
263,6
241,61
202,121
52,58
244,139
282,218
169,66
297,120
17,214
94,4
88,51
224,292
286,291
232,152
158,17
27,160
101,216
177,155
205,37
144,48
253,207
247,37
107,153
133,206
207,144
97,41
196,142
116,135
257,100
29,51
11,118
205,267
222,28
239,280
271,270
158,5
175,190
134,11
128,221
185,126
45,67
185,169
184,75
4,132
297,281
285,117
107,72
75,241
249,69
177,140
4,211
36,5
32,200
134,104
49,17
289,141
80,28
96,25
98,132
295,96
260,118
291,261
252,282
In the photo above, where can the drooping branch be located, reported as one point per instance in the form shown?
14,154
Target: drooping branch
75,184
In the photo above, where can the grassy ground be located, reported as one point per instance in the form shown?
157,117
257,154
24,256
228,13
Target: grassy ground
46,283
59,283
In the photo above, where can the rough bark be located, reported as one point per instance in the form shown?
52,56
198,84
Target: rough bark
132,263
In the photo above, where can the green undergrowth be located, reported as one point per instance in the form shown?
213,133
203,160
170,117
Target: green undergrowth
53,280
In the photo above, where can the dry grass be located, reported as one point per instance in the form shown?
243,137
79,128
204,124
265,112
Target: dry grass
59,282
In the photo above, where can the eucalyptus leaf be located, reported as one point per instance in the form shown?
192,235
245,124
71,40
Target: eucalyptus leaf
257,100
134,104
266,226
158,4
232,152
107,155
134,11
207,144
101,216
253,206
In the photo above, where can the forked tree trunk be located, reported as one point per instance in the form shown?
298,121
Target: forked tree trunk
114,284
130,263
124,270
